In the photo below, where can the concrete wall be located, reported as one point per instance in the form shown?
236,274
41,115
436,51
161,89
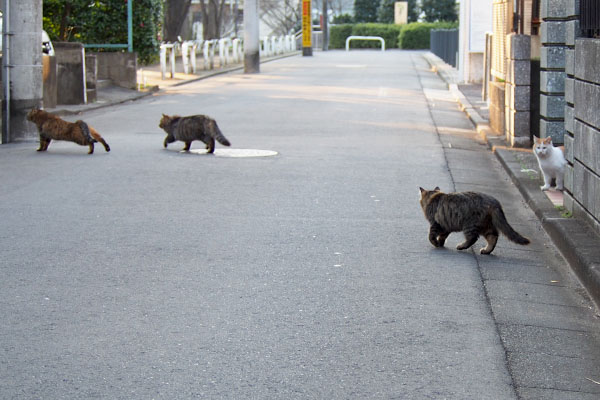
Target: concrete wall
557,20
475,21
118,67
582,147
70,74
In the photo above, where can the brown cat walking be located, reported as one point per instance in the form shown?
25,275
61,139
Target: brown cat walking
470,212
193,127
52,127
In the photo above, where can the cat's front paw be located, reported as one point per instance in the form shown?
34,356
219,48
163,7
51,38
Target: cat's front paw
545,187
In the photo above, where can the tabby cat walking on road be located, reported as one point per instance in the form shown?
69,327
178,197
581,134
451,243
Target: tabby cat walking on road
470,212
193,127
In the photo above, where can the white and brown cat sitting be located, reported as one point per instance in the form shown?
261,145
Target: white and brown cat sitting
551,160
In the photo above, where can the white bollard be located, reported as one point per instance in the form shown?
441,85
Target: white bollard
185,51
236,44
195,45
172,58
163,61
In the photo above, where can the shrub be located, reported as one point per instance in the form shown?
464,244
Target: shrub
100,22
338,35
416,35
389,33
343,19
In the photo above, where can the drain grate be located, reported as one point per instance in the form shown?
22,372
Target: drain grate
237,153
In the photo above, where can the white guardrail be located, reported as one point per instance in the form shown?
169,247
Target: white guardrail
230,51
349,38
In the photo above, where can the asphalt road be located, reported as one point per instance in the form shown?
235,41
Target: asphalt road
147,273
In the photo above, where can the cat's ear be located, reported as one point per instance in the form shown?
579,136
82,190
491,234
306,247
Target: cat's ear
423,191
548,140
437,189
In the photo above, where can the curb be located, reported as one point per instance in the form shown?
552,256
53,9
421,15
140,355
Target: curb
576,241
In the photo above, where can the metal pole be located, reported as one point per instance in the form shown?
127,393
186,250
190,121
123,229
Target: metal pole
130,26
251,41
325,28
6,77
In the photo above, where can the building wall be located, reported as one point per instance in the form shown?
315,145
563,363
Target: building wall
582,121
475,21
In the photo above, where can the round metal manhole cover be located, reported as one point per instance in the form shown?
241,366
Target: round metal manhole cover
238,153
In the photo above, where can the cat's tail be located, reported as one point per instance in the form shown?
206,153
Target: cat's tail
500,222
218,135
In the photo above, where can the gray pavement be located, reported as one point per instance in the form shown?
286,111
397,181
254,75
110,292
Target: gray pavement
151,273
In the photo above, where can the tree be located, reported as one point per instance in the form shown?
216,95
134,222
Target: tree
385,13
439,10
365,10
280,15
175,14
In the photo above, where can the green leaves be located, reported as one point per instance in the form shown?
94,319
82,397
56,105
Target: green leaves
105,22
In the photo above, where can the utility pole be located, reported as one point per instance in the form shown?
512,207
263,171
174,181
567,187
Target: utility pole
21,66
325,27
251,41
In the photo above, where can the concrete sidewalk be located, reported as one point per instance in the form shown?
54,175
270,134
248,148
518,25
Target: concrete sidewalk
578,243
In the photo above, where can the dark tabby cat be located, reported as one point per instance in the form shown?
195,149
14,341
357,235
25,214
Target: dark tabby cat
470,212
52,127
194,127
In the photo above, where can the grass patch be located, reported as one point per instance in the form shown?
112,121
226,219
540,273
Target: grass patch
564,212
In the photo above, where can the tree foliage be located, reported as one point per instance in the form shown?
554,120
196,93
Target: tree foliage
105,22
365,10
385,13
439,10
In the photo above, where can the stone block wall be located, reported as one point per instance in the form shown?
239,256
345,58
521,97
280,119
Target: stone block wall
582,141
557,25
517,98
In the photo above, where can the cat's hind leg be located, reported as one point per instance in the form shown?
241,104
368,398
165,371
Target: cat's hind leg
91,146
492,239
471,237
210,146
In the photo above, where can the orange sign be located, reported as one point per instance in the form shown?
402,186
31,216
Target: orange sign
306,24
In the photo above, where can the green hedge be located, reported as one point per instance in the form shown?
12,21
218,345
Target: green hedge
338,35
412,36
416,35
389,33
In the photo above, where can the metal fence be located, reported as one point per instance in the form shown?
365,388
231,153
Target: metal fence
589,18
444,44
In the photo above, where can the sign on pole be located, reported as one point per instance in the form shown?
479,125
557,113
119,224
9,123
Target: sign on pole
401,12
306,28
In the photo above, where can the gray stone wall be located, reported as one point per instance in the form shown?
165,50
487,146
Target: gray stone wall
556,24
582,144
518,90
